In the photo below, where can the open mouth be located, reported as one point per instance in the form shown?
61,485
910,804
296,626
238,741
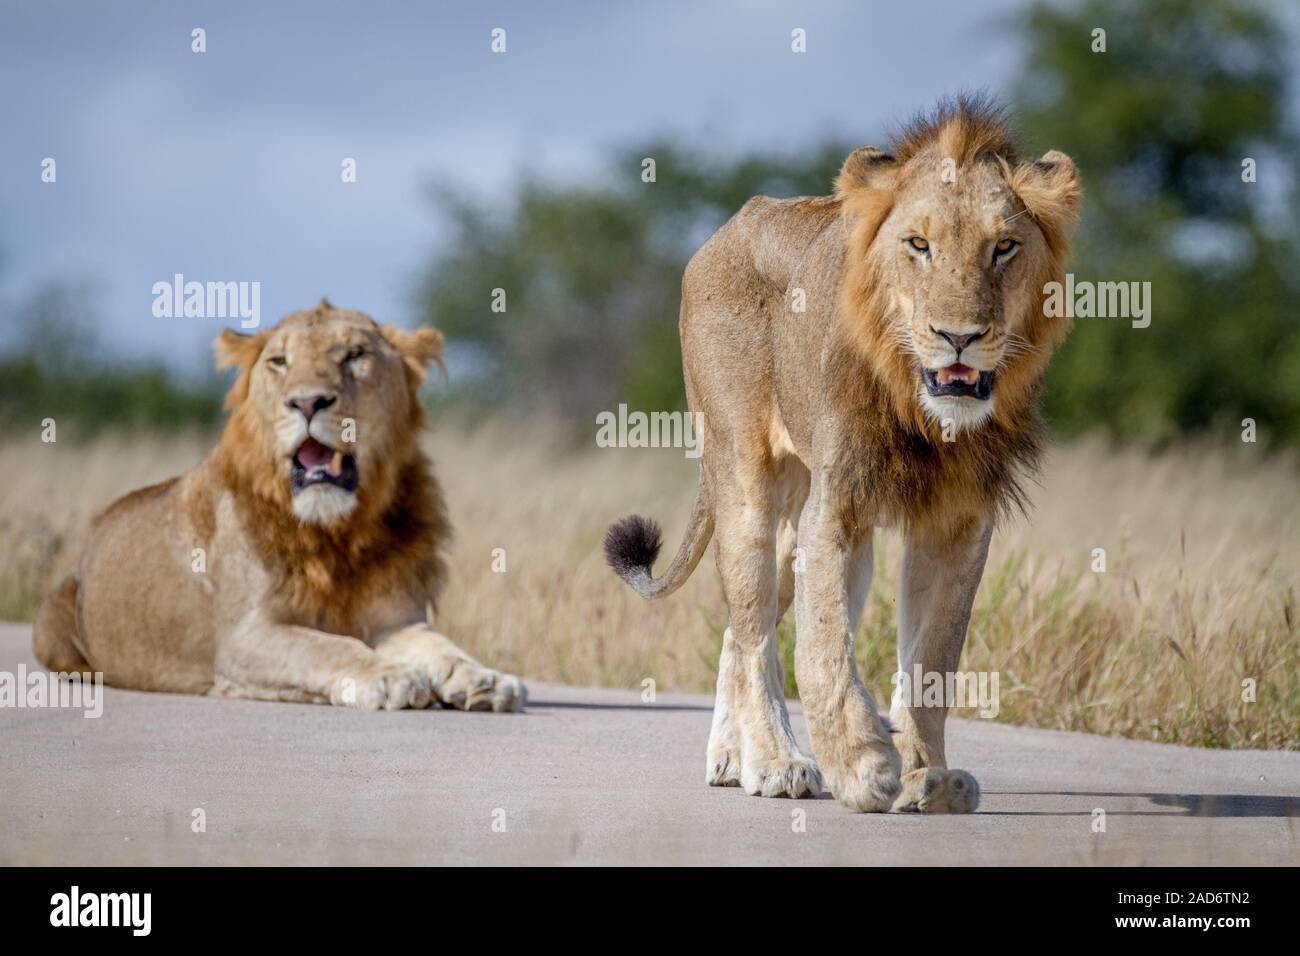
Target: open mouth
960,380
315,463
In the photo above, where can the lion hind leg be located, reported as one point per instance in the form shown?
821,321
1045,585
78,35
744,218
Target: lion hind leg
55,632
792,488
751,682
723,757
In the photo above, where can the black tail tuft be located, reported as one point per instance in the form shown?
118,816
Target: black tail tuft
631,546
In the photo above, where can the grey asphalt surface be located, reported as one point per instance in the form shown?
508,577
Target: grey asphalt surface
586,776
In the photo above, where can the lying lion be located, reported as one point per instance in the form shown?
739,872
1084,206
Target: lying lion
300,559
866,360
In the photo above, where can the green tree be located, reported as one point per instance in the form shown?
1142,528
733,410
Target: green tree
1160,125
53,367
592,274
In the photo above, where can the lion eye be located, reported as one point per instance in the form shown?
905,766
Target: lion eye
354,354
919,244
1004,248
276,361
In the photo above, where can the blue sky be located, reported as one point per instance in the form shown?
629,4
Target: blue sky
225,166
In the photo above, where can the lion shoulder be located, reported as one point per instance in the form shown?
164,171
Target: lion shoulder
766,242
133,501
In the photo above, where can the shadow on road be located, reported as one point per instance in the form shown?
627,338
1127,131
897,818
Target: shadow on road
1192,804
556,705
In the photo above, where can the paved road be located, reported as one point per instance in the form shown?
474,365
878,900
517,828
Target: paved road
586,776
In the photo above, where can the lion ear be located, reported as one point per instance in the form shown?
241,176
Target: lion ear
865,189
418,348
866,168
1049,188
236,350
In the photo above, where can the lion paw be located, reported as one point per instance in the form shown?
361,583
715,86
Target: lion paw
936,790
383,687
793,776
869,784
472,687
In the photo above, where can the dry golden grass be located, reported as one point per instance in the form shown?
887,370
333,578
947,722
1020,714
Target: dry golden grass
1199,593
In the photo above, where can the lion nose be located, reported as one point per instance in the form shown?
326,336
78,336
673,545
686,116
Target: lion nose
956,340
309,405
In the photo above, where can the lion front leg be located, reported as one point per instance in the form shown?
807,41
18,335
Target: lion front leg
457,679
941,572
852,744
265,660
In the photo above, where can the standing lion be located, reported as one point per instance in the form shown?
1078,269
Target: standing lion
300,559
870,359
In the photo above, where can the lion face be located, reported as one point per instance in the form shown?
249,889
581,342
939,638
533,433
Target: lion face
959,261
328,400
954,240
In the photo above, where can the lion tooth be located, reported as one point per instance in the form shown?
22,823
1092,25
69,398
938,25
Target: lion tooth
336,465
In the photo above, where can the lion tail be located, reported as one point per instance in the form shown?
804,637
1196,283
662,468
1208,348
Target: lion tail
55,634
631,546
